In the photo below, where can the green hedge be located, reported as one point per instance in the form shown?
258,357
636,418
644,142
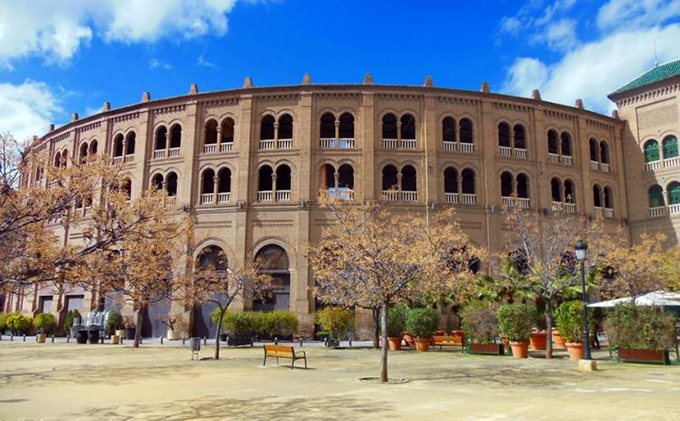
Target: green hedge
335,320
516,321
480,321
19,323
44,323
633,327
275,323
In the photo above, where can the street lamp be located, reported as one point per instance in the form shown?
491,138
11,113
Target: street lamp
581,254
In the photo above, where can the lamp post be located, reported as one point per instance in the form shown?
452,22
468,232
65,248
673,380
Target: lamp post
581,254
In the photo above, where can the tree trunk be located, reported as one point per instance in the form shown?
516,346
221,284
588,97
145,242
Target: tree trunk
548,329
138,325
383,352
376,327
218,331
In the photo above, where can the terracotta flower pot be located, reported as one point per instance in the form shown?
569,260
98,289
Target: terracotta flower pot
575,351
41,338
519,349
649,356
409,339
394,343
558,339
486,349
538,340
423,345
115,339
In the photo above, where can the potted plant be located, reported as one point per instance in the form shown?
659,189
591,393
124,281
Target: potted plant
278,324
337,321
569,319
558,339
396,323
422,323
44,323
114,322
173,323
18,323
240,327
130,327
71,317
538,340
640,334
480,324
516,321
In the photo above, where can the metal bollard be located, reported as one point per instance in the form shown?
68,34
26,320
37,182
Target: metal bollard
68,338
24,337
11,337
184,341
101,340
301,341
350,342
53,338
276,340
161,340
205,340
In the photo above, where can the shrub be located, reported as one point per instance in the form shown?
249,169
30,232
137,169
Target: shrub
516,321
18,322
243,323
277,323
44,323
68,322
569,319
335,320
480,322
396,321
629,326
3,322
422,323
114,321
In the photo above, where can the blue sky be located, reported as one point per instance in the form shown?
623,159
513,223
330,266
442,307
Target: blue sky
70,56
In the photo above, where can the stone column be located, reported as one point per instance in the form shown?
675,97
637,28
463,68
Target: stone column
216,183
398,134
368,134
219,138
276,135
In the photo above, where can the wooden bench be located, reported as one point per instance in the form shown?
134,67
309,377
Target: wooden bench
442,341
282,351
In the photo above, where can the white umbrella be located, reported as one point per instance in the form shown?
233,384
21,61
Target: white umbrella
657,298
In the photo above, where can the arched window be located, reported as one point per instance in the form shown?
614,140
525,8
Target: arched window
604,152
157,182
409,179
466,131
208,181
389,126
597,196
224,181
327,177
127,188
569,192
673,193
346,126
389,177
176,136
131,140
274,261
520,137
346,177
468,181
522,186
265,182
566,144
83,153
64,158
593,150
449,129
608,198
504,135
228,126
118,146
210,132
93,148
327,126
670,147
408,127
506,184
552,142
656,198
283,181
161,138
450,180
652,151
57,160
286,127
267,128
212,258
556,190
171,184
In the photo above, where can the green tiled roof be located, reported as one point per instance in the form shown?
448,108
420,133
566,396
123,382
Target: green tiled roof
658,73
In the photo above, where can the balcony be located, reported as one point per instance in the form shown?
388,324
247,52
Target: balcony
455,198
159,154
173,152
604,167
226,147
265,196
469,198
207,198
594,165
520,153
660,211
283,195
211,148
403,144
519,202
269,196
339,194
117,160
271,144
604,212
333,143
129,158
566,207
560,159
451,197
505,151
399,196
666,163
223,197
653,166
459,147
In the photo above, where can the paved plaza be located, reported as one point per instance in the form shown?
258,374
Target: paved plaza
105,382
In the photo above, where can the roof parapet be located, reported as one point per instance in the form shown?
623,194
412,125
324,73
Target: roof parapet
368,79
536,95
307,79
193,89
579,104
146,97
74,117
485,88
428,82
106,106
248,83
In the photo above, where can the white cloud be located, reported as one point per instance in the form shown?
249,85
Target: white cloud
56,30
593,70
26,108
205,63
559,36
155,63
636,13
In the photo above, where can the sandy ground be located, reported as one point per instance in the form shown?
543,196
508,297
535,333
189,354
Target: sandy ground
106,382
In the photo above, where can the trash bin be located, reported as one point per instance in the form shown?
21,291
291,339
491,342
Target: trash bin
195,344
93,336
81,336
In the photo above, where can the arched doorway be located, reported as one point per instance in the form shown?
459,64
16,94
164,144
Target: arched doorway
274,261
211,257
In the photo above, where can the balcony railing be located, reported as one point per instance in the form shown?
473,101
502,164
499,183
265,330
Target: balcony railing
282,195
554,158
332,143
223,197
671,162
505,151
117,160
265,196
408,144
604,167
159,154
173,152
566,159
566,207
285,143
469,198
409,196
652,166
207,198
400,196
604,212
389,143
666,163
129,158
520,202
339,193
451,197
211,148
520,153
267,145
226,147
659,211
594,165
459,147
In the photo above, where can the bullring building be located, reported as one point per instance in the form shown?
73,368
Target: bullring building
252,163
